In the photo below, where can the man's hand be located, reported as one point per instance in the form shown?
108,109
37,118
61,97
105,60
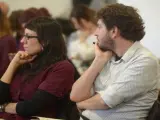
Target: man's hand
104,55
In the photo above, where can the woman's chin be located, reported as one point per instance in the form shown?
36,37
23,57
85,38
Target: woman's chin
29,53
32,54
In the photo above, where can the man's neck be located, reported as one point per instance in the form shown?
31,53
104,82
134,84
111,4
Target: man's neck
122,47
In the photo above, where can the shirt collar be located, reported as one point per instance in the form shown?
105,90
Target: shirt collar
129,53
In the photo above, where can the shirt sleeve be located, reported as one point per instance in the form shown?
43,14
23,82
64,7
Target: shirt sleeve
39,102
137,79
59,80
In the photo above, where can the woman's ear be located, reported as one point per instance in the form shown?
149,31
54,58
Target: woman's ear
42,46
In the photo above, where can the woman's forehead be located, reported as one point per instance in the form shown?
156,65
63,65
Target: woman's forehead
28,31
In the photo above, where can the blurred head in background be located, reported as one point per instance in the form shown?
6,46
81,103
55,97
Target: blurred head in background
4,25
32,13
44,12
4,7
15,25
28,15
82,17
14,20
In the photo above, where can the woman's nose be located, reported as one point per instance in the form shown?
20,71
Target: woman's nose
22,40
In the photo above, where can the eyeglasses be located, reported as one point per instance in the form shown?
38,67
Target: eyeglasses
29,37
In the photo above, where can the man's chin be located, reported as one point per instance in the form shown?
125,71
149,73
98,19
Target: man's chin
105,49
102,48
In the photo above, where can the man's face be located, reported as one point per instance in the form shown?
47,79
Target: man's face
105,41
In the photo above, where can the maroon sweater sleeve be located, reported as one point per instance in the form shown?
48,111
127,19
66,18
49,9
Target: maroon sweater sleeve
59,80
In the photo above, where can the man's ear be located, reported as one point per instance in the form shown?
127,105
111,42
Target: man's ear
114,32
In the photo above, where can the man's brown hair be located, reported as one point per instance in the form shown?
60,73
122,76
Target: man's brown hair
125,18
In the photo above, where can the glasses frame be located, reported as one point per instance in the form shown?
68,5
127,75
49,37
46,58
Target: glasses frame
27,37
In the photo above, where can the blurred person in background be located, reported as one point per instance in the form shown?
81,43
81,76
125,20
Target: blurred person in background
16,26
4,8
67,27
7,42
28,15
44,12
80,43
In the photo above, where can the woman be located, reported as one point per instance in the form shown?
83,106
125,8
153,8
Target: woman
80,44
38,77
7,42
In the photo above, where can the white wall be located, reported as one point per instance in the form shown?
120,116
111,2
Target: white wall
56,7
150,12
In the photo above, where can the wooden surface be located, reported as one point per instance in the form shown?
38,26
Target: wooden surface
42,118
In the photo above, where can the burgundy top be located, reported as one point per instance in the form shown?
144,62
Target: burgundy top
7,45
57,79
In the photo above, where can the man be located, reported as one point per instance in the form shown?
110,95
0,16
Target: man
121,83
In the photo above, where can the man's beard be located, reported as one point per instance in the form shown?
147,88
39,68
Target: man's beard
105,48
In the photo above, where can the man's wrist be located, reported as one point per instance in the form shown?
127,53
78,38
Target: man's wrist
98,64
102,58
79,106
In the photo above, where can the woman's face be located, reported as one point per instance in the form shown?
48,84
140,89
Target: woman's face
76,23
30,42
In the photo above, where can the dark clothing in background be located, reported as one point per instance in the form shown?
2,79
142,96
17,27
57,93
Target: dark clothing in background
7,45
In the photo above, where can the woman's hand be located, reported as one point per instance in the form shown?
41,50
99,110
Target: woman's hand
21,58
